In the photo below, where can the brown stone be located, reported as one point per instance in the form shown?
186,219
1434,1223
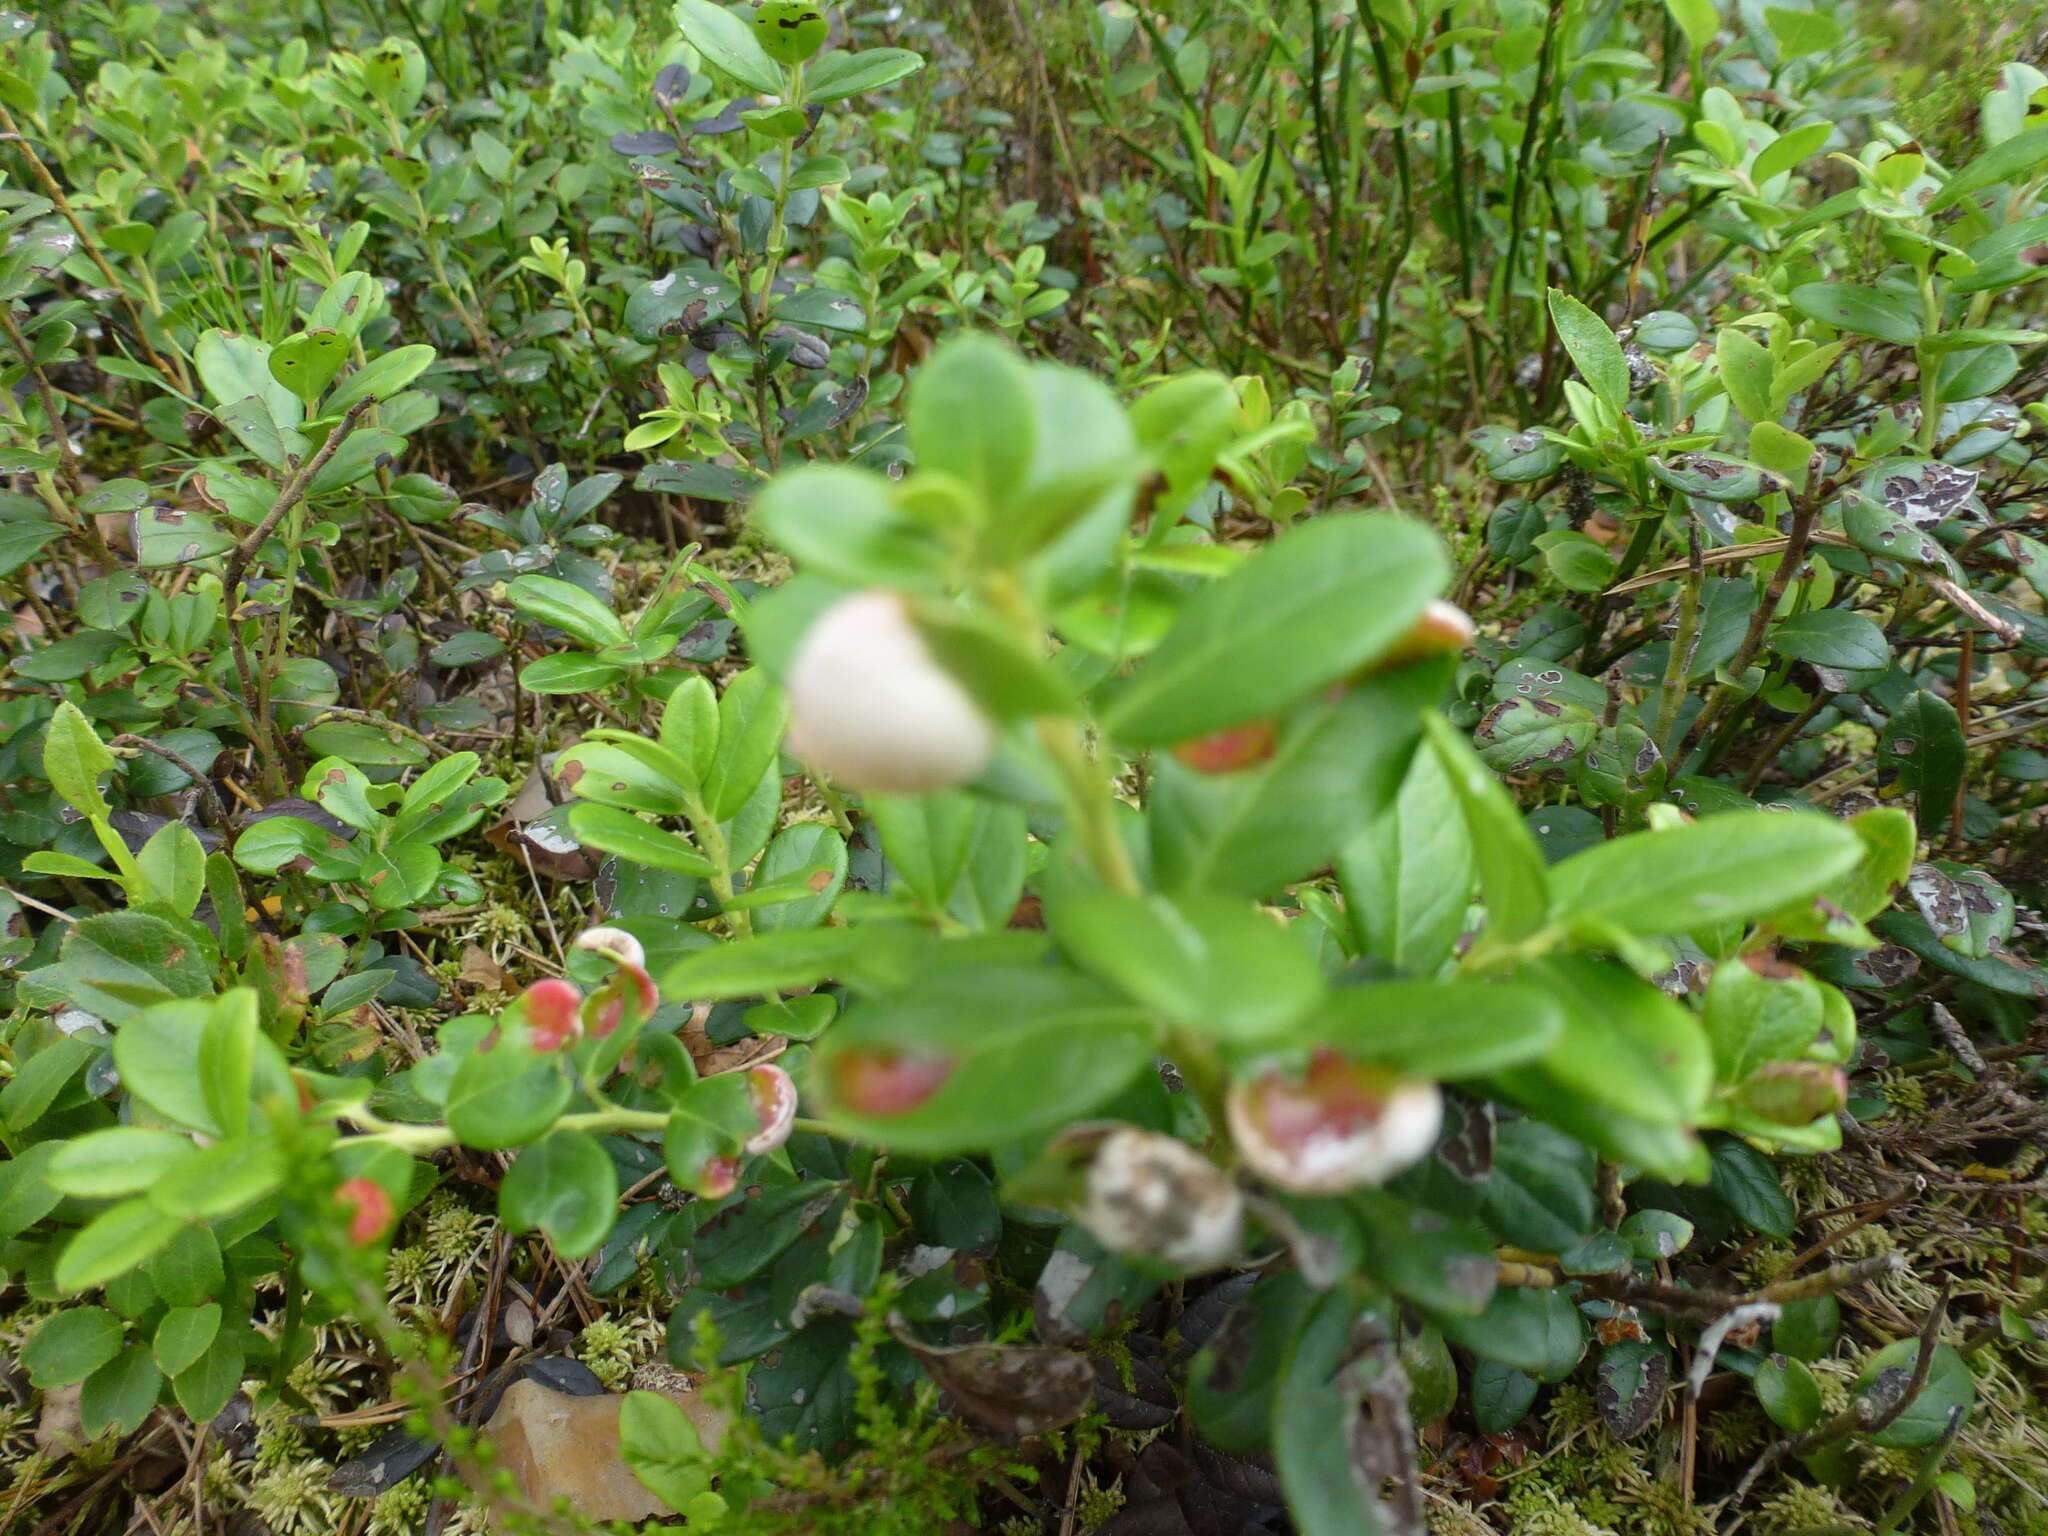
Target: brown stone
560,1446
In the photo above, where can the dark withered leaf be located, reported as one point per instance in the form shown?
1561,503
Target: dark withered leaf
1011,1389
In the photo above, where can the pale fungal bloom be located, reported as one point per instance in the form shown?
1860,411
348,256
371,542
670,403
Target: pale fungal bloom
872,709
1156,1198
1335,1126
614,943
774,1095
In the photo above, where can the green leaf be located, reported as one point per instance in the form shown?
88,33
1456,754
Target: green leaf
156,1053
1027,1049
1408,877
505,1096
1335,766
1082,449
220,1180
565,1185
810,852
2000,163
1445,1029
21,542
71,1345
1538,1332
1781,451
567,607
112,1243
74,757
1745,367
1539,1193
1313,606
115,963
382,377
121,1160
1512,878
1921,747
1315,1414
1445,1266
204,1387
1593,348
620,832
839,75
120,1394
1866,311
1788,149
1502,1395
627,776
972,416
844,523
1950,1385
236,368
306,363
661,1446
173,866
954,1206
1789,1394
1213,965
1008,679
1233,1379
1745,1179
1624,1043
183,1335
689,726
1699,20
752,714
1720,870
1807,1330
768,962
1834,637
569,672
728,43
25,1195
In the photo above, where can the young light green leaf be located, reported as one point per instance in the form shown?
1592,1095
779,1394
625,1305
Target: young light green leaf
1720,870
729,43
1593,348
1745,368
74,757
1512,880
1315,605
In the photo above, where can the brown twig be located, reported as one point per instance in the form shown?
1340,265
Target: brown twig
1992,1082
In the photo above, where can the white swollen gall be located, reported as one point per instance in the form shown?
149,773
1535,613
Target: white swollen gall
1335,1126
873,710
1152,1197
615,944
774,1095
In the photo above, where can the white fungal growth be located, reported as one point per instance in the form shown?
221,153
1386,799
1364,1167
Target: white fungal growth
872,709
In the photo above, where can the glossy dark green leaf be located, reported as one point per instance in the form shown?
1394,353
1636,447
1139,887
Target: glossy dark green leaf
1789,1393
1745,1179
1501,1396
1536,1331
